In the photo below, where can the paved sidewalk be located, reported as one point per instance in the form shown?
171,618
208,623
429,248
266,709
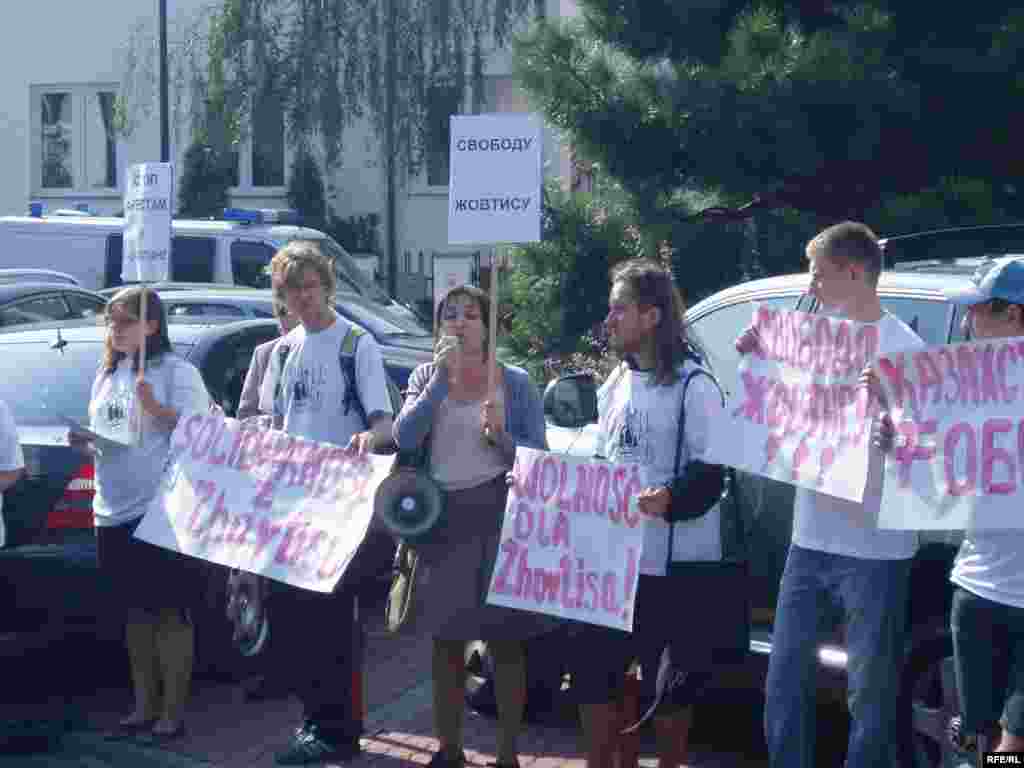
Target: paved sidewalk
225,731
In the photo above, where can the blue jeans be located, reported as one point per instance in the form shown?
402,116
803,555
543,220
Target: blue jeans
873,596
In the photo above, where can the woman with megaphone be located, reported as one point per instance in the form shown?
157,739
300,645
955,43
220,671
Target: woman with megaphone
470,421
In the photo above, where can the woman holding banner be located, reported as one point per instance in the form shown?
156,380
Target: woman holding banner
470,437
987,617
149,586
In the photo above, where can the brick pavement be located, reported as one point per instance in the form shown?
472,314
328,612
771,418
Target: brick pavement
225,731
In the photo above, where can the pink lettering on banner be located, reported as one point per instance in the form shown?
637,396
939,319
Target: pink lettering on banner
582,500
909,449
631,512
602,488
187,432
799,457
954,486
563,501
842,361
266,532
929,377
524,521
993,456
828,457
548,478
826,350
968,366
951,375
1006,354
753,406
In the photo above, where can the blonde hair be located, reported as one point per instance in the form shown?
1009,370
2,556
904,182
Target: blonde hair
290,261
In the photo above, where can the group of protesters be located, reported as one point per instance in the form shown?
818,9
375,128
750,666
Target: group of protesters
658,407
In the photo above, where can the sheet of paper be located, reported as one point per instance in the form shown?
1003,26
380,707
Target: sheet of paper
102,442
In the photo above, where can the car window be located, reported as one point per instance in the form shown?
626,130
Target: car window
248,262
207,309
929,318
225,364
192,258
716,332
83,305
38,309
60,380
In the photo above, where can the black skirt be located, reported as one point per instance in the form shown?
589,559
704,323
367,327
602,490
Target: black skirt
142,579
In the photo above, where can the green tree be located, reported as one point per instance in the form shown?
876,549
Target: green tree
205,180
783,116
306,188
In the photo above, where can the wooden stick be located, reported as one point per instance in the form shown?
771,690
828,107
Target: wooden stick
142,353
492,369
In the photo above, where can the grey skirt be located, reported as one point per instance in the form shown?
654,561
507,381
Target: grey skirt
454,572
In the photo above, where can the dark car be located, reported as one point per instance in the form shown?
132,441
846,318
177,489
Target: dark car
403,340
22,303
919,268
48,573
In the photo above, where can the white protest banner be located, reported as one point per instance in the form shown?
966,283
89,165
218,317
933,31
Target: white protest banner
800,417
494,189
148,205
571,540
263,501
958,457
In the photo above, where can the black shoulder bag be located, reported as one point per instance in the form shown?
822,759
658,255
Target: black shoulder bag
695,491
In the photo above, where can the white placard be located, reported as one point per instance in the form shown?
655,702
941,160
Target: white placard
572,539
799,416
494,190
958,460
263,501
148,206
450,270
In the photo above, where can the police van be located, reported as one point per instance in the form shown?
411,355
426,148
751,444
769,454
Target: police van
234,250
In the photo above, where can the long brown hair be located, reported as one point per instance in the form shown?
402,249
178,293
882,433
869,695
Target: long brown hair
650,284
157,344
477,295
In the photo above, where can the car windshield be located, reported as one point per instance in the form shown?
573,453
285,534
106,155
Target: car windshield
380,320
350,276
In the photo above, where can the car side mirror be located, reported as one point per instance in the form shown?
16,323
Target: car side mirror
571,401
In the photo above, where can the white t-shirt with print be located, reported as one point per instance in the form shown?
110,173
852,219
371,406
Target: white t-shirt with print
829,524
127,478
638,422
11,456
308,393
990,564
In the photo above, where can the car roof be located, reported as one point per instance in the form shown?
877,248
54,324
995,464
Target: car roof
890,282
39,275
12,291
184,330
212,226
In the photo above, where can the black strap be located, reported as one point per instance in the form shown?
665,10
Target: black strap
680,432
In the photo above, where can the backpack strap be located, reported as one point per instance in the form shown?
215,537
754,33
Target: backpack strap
282,350
347,360
680,434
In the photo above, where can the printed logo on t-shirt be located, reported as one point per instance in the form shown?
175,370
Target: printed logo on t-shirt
308,388
632,438
117,408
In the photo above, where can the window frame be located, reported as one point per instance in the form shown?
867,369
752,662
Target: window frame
80,94
245,186
57,295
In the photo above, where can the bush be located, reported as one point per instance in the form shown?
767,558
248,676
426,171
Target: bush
205,180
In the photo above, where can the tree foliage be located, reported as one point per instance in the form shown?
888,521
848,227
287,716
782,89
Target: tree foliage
205,180
325,62
827,108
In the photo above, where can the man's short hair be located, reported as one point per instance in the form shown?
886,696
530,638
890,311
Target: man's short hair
850,241
290,261
280,309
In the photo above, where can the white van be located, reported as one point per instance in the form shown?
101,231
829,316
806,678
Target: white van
234,250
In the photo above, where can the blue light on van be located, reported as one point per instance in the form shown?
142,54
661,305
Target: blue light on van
243,215
35,210
262,215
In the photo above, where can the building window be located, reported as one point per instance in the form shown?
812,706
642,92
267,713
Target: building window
260,161
74,144
443,101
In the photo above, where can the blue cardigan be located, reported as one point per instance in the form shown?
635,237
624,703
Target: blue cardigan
524,412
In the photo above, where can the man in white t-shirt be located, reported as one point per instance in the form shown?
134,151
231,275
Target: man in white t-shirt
307,391
12,462
838,552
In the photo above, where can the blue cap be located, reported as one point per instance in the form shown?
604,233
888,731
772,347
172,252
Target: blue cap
1003,280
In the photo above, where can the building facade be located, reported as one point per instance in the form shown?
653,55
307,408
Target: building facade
64,142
